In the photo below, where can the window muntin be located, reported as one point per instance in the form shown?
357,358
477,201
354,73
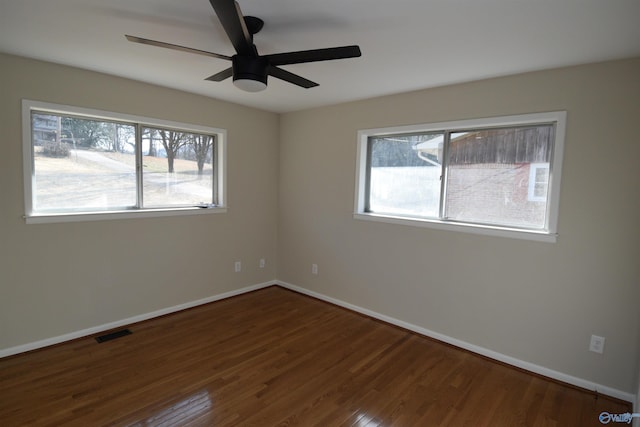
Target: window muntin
493,176
87,162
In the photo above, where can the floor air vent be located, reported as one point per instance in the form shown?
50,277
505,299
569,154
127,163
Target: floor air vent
113,335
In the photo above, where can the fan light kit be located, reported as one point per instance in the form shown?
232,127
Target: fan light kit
249,69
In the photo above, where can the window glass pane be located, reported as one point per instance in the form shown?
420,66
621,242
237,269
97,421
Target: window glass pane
82,165
177,168
490,173
404,174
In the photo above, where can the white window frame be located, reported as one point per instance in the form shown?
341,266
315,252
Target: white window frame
547,234
34,217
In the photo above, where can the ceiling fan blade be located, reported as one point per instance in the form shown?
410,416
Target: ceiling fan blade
314,55
175,47
224,74
291,78
232,21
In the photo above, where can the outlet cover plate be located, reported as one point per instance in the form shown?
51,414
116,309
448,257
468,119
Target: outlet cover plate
597,344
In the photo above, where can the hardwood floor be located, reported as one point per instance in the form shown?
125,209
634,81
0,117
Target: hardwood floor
274,357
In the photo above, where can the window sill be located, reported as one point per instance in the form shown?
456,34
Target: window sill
124,214
486,230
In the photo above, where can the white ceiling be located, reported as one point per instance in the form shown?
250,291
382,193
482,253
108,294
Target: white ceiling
406,44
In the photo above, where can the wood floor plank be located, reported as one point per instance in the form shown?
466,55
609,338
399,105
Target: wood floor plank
274,357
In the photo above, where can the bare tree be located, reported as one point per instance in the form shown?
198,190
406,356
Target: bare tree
88,133
150,134
124,134
201,145
172,142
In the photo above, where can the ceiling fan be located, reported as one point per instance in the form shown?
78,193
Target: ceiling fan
249,69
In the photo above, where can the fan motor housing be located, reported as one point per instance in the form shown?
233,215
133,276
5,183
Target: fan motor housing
250,68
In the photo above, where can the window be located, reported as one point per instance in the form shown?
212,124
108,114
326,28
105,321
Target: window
538,182
85,164
492,176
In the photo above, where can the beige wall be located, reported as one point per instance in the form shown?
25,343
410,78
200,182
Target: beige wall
61,278
537,302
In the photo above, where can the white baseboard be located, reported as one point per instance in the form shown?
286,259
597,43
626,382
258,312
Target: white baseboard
541,370
128,321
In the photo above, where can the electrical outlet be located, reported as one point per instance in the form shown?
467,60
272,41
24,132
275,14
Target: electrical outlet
597,344
314,269
238,266
262,262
